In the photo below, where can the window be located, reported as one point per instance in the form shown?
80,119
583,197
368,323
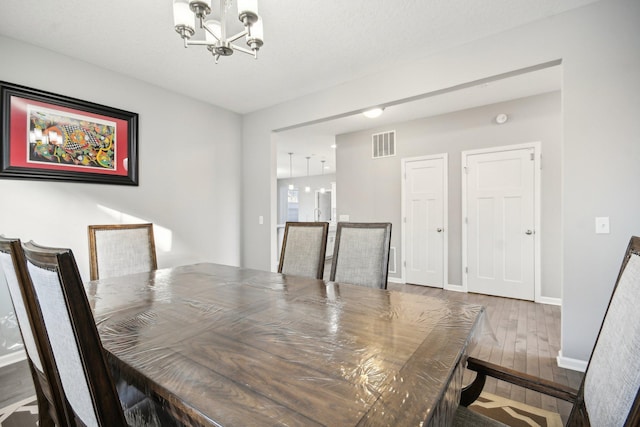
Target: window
292,205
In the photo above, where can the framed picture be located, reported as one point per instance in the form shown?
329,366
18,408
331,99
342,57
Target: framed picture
54,137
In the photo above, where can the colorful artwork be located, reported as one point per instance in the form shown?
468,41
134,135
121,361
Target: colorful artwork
48,136
59,137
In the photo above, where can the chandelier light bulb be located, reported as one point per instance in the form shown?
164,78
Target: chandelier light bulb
248,11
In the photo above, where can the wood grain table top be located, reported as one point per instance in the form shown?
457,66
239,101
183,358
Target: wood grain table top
220,345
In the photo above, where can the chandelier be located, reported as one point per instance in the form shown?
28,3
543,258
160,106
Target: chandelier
216,39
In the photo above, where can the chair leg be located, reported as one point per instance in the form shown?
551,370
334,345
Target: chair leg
45,415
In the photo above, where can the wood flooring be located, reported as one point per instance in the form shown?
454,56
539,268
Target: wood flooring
526,336
16,383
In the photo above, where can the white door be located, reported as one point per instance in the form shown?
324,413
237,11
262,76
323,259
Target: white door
425,219
500,223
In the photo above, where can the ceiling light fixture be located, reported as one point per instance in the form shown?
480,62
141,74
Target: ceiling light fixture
290,170
322,189
186,12
307,189
373,113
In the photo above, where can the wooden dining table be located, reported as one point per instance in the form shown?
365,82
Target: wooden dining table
229,346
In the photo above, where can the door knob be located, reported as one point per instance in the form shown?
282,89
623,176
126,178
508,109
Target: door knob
439,230
528,232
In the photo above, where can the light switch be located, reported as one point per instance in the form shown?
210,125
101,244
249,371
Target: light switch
602,225
260,220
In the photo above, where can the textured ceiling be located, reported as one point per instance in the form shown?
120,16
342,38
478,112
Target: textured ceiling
310,45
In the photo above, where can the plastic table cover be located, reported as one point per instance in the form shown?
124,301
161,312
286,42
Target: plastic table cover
220,345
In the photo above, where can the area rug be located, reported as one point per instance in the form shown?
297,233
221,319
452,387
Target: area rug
20,414
514,413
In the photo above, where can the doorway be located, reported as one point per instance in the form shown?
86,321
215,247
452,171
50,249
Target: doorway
501,211
425,214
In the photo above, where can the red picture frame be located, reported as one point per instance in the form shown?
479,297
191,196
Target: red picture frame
54,137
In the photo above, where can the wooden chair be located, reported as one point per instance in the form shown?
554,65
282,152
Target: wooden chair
303,249
65,315
53,409
119,249
361,254
609,394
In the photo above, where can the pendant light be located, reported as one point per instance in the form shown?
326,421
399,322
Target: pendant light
322,189
307,189
290,170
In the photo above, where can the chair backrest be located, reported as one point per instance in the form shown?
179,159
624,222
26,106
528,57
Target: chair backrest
303,249
119,249
66,315
611,383
39,354
361,254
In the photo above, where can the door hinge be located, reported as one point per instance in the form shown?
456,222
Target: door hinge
404,263
466,270
466,220
466,170
532,156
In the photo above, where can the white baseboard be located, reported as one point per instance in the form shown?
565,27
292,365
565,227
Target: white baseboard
11,358
550,301
395,280
455,288
569,363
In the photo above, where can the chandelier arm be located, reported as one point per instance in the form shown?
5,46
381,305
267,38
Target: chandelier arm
197,43
237,36
208,30
243,50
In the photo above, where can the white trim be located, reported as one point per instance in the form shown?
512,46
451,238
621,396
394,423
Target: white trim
11,358
454,288
550,301
536,146
569,363
395,280
445,213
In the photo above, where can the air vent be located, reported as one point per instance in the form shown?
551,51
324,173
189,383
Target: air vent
392,259
384,144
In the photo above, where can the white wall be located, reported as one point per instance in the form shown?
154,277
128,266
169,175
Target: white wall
190,167
370,189
599,46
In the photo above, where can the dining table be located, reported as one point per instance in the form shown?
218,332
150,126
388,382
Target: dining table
219,345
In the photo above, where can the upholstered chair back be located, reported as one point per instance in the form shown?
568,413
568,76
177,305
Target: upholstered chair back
361,254
303,249
121,249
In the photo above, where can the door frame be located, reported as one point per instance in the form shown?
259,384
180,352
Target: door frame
537,181
445,214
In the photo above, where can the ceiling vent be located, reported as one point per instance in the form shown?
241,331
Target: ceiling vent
383,144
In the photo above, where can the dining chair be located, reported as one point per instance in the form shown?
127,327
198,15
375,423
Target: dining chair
609,394
120,249
361,254
86,380
52,407
304,249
